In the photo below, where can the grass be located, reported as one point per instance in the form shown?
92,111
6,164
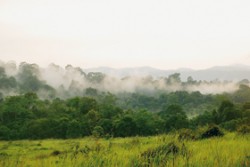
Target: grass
230,150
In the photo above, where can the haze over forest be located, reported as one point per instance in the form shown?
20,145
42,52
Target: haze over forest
154,36
127,102
124,83
64,82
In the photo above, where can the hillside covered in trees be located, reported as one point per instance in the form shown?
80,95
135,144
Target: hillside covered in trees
38,103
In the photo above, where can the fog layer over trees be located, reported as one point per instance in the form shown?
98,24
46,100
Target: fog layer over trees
56,102
55,81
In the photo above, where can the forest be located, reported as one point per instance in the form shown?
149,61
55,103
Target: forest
56,116
144,83
83,105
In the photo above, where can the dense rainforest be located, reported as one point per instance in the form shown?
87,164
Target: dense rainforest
74,104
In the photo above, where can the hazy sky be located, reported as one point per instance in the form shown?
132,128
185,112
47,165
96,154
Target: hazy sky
165,34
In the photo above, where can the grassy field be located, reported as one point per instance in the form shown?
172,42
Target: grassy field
164,150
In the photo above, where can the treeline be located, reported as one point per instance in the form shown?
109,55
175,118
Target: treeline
38,103
102,115
55,81
132,93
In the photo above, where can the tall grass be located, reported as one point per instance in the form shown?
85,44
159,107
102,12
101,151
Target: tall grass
230,150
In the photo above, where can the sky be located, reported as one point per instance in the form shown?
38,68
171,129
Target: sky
165,34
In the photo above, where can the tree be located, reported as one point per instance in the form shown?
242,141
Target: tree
28,77
93,117
15,109
191,81
95,77
146,123
62,127
98,131
173,78
125,127
83,104
42,128
172,109
227,111
242,94
91,91
74,129
2,72
107,125
5,81
175,117
203,119
4,133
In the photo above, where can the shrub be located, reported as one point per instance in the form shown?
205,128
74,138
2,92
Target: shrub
212,131
243,129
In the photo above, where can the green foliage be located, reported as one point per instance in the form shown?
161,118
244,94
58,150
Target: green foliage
173,78
98,131
35,110
243,129
73,129
29,117
174,117
230,125
212,131
5,81
95,77
147,123
82,104
91,91
28,80
203,119
28,77
242,94
93,118
4,132
107,126
41,128
126,126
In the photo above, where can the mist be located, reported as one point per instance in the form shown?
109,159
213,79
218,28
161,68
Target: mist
65,82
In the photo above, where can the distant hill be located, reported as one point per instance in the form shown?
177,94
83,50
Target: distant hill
231,72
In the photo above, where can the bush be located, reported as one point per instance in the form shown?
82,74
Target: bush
212,131
230,125
243,129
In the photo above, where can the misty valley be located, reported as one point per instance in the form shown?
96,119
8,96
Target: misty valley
69,116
